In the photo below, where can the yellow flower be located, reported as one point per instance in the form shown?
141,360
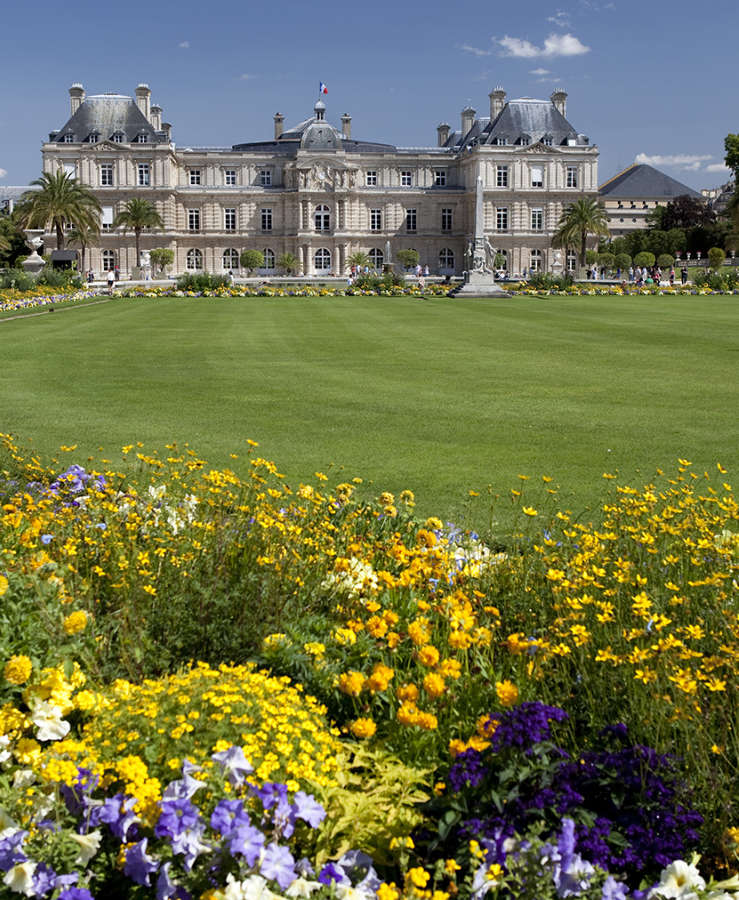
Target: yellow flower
428,655
3,585
418,877
388,892
530,511
363,728
434,685
75,622
17,669
507,692
351,683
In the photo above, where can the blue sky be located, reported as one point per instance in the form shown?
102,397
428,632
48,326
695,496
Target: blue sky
648,80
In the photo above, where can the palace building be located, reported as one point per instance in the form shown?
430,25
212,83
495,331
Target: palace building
320,194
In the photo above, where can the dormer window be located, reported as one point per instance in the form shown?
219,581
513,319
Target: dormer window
69,138
524,140
547,140
142,138
117,137
93,138
501,141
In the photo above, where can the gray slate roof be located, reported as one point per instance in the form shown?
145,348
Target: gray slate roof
108,114
521,121
645,181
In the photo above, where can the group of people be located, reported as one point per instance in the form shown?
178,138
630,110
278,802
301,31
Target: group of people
642,275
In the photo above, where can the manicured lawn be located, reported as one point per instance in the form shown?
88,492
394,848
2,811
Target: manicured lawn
440,396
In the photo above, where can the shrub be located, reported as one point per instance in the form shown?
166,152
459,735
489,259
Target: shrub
17,279
545,281
645,258
407,258
716,257
59,277
251,259
201,281
665,261
623,261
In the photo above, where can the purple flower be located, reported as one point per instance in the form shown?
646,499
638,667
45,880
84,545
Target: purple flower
47,538
307,808
566,843
278,863
43,880
613,890
190,845
330,874
116,812
247,841
177,816
272,793
75,893
139,866
10,850
185,787
228,815
235,765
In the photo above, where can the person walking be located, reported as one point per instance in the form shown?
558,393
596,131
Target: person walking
111,280
684,275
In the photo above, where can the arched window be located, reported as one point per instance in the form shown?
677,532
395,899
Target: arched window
536,260
194,260
230,259
269,259
504,254
571,260
322,218
446,259
322,260
108,258
376,258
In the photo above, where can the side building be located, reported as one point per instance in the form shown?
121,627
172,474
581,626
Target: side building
318,193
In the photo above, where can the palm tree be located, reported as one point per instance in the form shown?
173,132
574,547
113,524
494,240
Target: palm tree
60,200
84,236
138,214
579,220
359,259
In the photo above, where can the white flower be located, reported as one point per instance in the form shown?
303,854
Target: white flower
89,845
679,879
302,888
48,721
20,878
252,888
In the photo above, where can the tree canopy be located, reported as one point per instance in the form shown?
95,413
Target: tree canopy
138,214
578,221
61,200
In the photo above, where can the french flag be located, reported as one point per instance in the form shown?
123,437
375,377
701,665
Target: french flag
322,89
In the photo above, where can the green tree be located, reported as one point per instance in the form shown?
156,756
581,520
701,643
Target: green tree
731,145
716,257
687,212
623,261
84,236
359,259
606,259
579,220
162,257
658,241
678,241
407,258
665,261
288,262
645,258
251,259
138,214
60,200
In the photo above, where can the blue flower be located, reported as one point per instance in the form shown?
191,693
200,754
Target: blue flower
247,841
307,808
234,764
278,863
228,815
176,816
139,865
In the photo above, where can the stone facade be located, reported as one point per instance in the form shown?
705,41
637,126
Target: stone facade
321,195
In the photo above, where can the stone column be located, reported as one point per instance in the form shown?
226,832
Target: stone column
342,259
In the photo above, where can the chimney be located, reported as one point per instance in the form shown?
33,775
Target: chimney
156,117
468,119
559,99
143,99
279,124
497,102
443,133
167,129
346,125
76,96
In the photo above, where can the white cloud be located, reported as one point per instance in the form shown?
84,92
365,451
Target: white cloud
554,45
184,44
474,50
718,167
247,77
539,72
689,162
3,173
561,19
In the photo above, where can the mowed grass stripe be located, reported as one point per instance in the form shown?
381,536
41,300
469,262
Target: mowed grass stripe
436,395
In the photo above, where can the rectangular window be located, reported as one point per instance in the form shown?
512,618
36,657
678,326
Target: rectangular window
406,179
229,219
501,218
501,176
375,220
68,138
194,176
266,220
440,177
265,177
106,174
537,176
193,219
70,169
144,175
106,219
229,176
410,220
537,219
446,219
117,138
370,179
572,177
93,139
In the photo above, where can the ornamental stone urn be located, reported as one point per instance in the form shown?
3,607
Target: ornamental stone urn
34,263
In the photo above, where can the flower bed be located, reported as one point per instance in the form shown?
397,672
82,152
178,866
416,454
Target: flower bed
552,718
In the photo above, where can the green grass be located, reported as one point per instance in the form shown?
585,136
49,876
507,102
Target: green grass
439,396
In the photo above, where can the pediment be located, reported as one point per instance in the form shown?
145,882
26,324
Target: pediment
537,148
